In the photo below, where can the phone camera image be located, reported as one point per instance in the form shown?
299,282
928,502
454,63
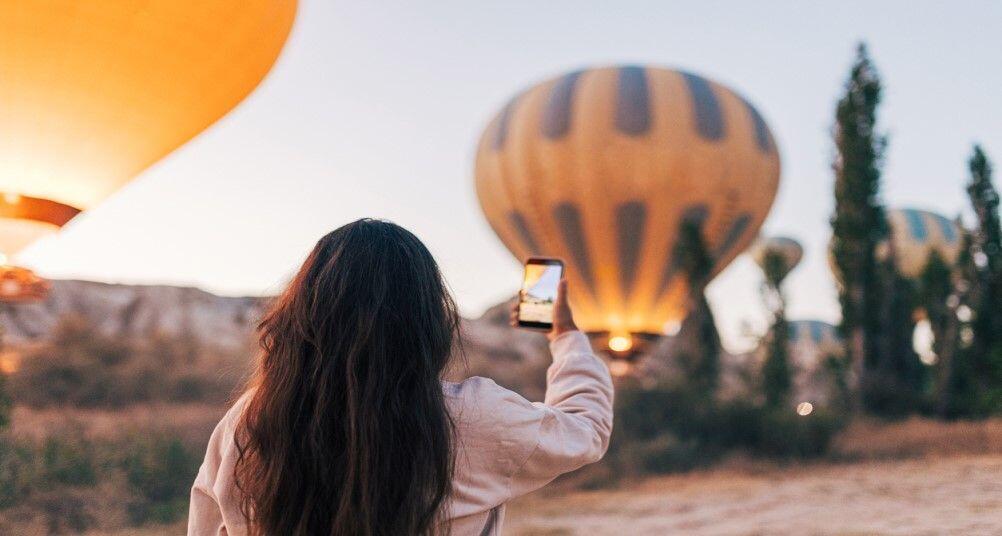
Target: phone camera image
539,292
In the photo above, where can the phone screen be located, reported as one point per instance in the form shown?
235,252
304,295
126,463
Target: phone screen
539,292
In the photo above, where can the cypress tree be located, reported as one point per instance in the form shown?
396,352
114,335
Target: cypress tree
695,261
935,293
776,376
960,392
897,376
986,253
858,223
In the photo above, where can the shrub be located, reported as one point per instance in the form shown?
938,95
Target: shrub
671,428
160,473
16,472
82,367
69,463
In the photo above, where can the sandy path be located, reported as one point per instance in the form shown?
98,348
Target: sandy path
934,496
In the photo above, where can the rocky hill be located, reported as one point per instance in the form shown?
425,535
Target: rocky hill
490,347
135,311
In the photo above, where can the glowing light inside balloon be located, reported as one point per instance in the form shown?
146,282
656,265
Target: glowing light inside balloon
621,342
805,408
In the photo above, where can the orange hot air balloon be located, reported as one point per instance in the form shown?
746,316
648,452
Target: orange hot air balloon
93,93
601,166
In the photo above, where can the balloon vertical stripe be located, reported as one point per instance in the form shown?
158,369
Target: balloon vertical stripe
916,225
709,120
501,134
518,222
817,332
631,218
557,113
761,131
633,115
568,219
694,215
734,233
948,229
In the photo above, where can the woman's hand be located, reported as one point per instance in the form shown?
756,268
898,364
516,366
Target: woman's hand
563,319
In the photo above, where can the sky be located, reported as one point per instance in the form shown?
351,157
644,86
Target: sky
374,109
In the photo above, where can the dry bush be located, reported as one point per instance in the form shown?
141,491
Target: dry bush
918,436
81,367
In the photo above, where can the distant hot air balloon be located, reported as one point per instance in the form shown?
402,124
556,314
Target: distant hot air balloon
787,248
813,340
811,343
93,93
914,235
601,166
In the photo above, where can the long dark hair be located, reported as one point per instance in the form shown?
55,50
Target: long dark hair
346,430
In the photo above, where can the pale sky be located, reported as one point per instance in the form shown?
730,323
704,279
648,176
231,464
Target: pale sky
374,109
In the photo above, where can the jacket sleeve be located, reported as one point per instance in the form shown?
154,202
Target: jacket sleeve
576,416
214,507
205,518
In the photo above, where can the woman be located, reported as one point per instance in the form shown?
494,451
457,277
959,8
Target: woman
348,429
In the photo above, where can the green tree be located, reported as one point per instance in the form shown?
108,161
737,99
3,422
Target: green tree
939,299
858,223
897,377
702,365
776,375
986,285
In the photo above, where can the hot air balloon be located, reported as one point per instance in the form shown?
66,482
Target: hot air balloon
601,167
93,93
811,342
914,235
787,248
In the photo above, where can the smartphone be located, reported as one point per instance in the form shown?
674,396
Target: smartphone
539,292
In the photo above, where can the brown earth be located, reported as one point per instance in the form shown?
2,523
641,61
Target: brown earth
954,495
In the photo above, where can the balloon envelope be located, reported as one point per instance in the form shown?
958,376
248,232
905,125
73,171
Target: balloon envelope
914,235
93,93
601,166
789,249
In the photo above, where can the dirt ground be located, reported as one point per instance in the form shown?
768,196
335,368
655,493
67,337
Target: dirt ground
958,495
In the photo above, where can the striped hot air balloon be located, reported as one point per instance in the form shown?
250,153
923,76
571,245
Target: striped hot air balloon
914,235
812,340
93,93
811,343
787,248
601,166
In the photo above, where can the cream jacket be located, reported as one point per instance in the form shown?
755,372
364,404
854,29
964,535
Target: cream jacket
507,446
